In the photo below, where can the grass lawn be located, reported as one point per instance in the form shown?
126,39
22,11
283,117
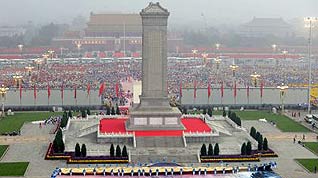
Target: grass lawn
13,169
284,123
3,149
309,164
312,146
14,123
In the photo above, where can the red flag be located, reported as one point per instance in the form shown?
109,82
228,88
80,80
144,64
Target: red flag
248,91
209,90
261,88
48,91
117,89
34,91
75,91
180,89
222,90
101,89
62,92
20,88
88,89
235,89
195,89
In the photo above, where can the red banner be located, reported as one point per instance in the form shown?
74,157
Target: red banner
248,91
195,89
234,89
34,91
88,89
20,88
209,90
62,92
75,92
48,91
261,88
222,90
101,89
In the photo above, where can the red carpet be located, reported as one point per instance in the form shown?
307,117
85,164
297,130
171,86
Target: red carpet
118,125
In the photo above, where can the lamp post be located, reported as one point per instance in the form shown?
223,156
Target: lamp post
29,70
218,61
45,57
255,77
234,67
3,92
282,90
38,62
20,46
309,21
217,48
17,80
194,52
79,45
205,57
51,52
274,48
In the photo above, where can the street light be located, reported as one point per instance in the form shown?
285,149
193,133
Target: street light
79,45
29,70
274,48
20,46
38,62
51,52
45,57
217,47
233,68
309,21
194,52
255,77
3,92
205,57
282,90
218,61
17,80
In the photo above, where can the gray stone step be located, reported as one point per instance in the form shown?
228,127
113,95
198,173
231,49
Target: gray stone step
164,142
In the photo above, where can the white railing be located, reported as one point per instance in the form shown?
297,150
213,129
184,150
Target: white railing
116,134
200,134
134,140
184,139
200,116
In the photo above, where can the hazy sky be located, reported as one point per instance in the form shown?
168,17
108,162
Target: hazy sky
182,11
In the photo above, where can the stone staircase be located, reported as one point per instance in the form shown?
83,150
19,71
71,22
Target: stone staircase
87,130
164,142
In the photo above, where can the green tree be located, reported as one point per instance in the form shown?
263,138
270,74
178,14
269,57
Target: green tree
260,144
118,151
204,111
210,112
65,114
88,112
117,110
210,150
83,150
112,150
203,150
265,144
253,132
55,146
185,111
70,114
77,150
113,111
124,152
257,136
229,113
216,149
224,113
83,113
243,149
108,110
249,148
239,123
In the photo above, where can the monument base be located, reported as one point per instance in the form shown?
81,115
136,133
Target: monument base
154,114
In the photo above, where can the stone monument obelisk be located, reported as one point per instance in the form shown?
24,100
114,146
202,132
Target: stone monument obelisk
154,111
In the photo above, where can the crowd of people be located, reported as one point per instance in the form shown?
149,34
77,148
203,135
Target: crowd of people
185,72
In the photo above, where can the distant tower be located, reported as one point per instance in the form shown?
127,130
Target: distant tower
154,110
